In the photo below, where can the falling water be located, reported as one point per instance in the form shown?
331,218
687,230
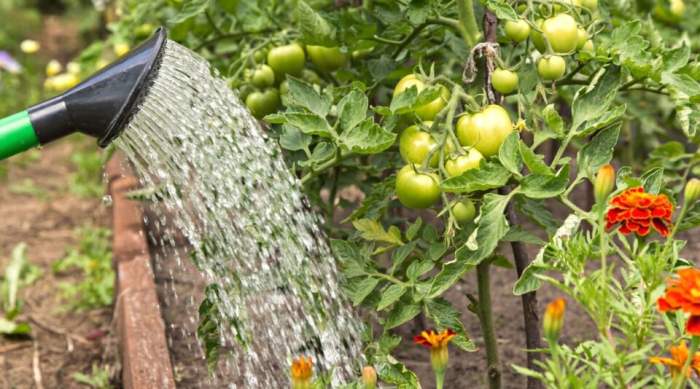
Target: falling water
224,186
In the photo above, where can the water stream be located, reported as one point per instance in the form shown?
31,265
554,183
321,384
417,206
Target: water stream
223,185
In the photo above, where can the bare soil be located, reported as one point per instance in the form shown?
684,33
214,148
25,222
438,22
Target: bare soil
62,341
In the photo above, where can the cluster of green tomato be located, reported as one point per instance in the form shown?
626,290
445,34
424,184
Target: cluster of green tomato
266,83
478,135
554,37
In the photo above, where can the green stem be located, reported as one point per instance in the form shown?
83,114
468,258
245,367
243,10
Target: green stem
339,157
470,30
493,370
603,266
439,379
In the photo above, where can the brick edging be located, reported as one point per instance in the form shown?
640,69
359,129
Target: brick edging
140,328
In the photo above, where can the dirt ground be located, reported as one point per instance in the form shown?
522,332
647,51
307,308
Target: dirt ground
62,342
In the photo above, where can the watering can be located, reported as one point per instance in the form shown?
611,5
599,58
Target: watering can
99,106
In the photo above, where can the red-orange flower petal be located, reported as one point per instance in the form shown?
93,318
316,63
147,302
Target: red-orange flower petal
434,339
692,327
637,211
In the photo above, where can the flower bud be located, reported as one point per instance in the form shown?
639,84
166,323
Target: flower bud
604,183
554,319
692,191
369,377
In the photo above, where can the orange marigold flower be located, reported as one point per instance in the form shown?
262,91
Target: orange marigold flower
301,371
679,355
437,341
554,318
683,294
637,211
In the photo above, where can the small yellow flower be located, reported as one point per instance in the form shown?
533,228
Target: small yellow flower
554,319
101,63
53,68
73,68
61,82
29,46
301,372
121,49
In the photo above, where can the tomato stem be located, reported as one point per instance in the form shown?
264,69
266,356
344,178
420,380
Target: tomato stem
493,369
470,30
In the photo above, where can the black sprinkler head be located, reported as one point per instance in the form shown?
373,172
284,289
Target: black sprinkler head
101,105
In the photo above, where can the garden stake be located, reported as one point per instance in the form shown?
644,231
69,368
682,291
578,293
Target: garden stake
99,106
529,300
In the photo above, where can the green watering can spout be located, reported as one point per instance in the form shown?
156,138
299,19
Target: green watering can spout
99,106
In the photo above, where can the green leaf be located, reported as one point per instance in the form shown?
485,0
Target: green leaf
302,94
598,151
315,30
489,176
418,268
593,101
404,101
491,226
509,154
397,374
553,121
367,138
608,118
519,234
537,212
501,9
351,261
402,312
292,139
352,109
373,231
446,316
412,230
448,275
307,123
359,288
682,85
13,272
189,9
538,186
676,58
534,162
9,327
390,295
376,202
653,180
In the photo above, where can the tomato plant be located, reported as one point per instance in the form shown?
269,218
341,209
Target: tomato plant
409,103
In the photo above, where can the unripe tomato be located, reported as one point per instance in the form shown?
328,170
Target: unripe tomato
263,103
562,33
260,55
415,145
287,59
551,68
590,4
504,81
415,189
429,110
677,8
327,59
464,211
582,38
517,31
588,47
284,87
263,76
486,130
460,164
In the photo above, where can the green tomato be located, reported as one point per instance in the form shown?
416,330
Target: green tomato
551,68
429,110
284,87
517,31
287,59
486,130
263,103
460,164
415,145
263,77
582,38
590,4
415,189
504,81
327,59
537,37
561,32
464,211
260,56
